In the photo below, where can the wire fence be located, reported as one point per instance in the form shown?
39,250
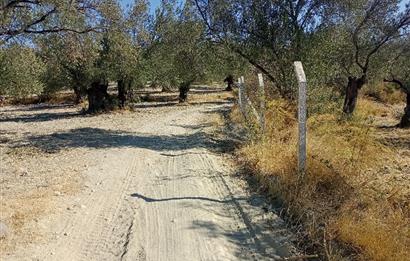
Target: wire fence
250,113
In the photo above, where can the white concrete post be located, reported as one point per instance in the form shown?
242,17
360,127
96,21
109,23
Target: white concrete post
262,102
240,95
247,104
302,116
239,92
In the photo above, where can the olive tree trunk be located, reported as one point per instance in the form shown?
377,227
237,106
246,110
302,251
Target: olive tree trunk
230,82
122,92
405,120
352,92
98,97
183,91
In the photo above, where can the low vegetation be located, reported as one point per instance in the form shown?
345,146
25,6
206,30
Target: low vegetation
353,201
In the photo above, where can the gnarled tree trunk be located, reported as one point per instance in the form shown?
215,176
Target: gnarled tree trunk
230,82
352,92
98,97
122,92
405,120
183,91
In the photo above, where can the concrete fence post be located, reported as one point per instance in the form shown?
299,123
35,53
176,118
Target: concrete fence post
262,102
244,101
302,117
241,95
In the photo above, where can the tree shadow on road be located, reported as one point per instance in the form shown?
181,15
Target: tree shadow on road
38,107
153,200
97,138
41,117
251,236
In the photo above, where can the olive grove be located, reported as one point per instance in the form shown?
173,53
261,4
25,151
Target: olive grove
84,45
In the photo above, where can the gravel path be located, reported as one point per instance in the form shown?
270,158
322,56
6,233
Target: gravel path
146,185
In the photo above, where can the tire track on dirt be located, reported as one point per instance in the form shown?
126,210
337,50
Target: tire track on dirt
108,238
165,194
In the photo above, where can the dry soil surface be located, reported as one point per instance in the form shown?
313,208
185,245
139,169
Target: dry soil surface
152,184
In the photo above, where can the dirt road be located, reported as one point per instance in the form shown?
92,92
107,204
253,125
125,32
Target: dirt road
146,185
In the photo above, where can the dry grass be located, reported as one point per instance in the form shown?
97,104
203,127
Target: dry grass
221,96
385,93
36,203
32,205
348,204
28,192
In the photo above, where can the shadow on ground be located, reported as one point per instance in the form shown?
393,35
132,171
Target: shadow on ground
176,103
38,113
154,105
152,200
41,117
255,241
39,107
97,138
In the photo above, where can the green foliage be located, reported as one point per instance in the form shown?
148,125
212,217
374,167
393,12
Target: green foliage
173,56
268,34
20,71
25,19
333,39
70,60
118,58
221,62
397,66
203,40
123,43
180,52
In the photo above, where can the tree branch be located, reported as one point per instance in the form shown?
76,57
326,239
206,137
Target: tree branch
27,26
17,3
38,24
234,48
398,82
356,32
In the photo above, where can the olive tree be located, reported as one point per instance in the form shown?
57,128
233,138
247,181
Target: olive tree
397,72
121,46
118,62
364,28
270,35
178,52
65,56
70,61
20,71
